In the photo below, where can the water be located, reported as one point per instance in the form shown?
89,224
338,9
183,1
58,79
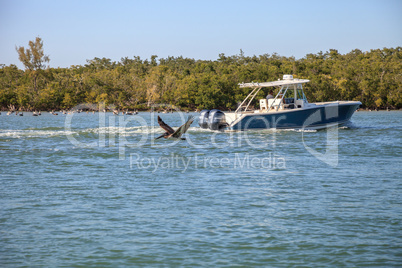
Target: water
101,193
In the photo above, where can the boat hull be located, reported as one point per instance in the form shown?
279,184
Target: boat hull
313,117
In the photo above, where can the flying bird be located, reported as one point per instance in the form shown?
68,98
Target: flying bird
170,133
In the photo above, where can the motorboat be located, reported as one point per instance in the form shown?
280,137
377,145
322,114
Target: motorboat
289,109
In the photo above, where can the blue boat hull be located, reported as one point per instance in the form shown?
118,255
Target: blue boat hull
316,117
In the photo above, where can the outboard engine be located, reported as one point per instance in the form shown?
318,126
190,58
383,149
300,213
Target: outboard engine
203,119
216,120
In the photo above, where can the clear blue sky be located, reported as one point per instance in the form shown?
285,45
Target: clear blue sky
74,31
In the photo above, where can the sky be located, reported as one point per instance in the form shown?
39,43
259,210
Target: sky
76,31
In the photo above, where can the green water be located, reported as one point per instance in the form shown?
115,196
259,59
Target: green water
99,192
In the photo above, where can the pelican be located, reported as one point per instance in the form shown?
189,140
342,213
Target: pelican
170,133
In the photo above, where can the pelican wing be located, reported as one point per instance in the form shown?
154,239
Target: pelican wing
163,125
181,130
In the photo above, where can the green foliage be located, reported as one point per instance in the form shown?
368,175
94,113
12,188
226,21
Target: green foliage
33,57
373,77
34,60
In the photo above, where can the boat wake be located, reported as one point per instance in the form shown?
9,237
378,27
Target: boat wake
20,134
133,131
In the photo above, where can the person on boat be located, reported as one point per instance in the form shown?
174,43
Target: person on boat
270,95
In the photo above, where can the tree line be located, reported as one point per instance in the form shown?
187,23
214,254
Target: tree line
374,78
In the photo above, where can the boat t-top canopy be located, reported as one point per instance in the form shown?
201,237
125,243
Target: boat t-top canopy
285,84
287,80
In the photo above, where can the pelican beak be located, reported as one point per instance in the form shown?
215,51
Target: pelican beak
161,136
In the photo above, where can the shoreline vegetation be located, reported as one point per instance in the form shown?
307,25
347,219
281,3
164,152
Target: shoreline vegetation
122,113
134,84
